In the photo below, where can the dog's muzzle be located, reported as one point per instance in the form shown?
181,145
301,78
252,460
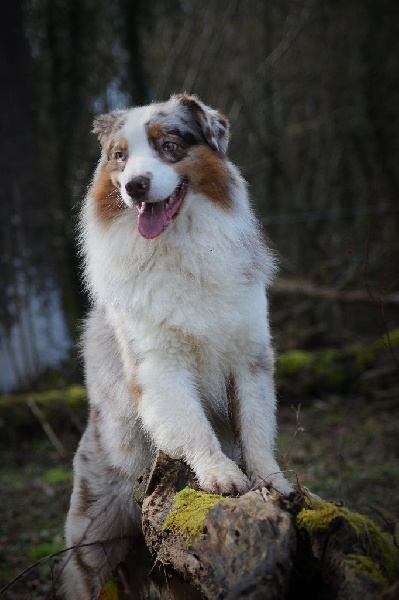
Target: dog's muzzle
154,216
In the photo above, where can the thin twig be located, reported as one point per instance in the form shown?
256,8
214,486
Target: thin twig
56,554
48,430
264,70
298,429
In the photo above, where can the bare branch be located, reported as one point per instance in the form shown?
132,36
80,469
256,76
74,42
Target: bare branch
264,70
48,430
302,287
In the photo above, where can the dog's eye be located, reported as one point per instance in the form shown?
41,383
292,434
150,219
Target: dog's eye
119,155
171,147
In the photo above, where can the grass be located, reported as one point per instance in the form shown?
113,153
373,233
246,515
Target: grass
348,453
35,488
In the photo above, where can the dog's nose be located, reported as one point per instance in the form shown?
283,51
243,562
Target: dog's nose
138,186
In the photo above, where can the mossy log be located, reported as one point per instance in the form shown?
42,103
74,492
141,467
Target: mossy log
261,545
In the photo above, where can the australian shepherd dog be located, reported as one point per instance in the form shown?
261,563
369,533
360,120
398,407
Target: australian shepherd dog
177,346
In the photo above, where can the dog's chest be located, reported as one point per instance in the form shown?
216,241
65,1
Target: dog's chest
191,304
200,295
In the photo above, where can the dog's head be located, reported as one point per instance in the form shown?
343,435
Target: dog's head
155,158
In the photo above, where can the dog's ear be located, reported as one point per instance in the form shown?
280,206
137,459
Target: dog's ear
214,125
104,125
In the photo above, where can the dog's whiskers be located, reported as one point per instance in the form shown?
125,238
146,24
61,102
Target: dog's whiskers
114,192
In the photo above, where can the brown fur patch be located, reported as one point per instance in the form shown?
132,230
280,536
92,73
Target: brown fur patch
234,405
115,471
157,135
122,144
86,496
207,174
95,413
109,203
136,390
125,448
84,568
97,437
154,131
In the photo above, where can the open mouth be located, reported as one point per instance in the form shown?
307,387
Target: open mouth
155,217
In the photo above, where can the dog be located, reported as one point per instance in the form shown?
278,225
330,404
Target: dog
177,347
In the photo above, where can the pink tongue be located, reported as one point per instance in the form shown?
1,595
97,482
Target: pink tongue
152,220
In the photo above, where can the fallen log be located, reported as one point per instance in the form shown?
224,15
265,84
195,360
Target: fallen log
261,545
244,546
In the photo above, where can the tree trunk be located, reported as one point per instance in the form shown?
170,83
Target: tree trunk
256,546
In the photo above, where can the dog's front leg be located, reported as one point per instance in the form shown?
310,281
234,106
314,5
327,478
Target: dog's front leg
162,382
171,412
254,389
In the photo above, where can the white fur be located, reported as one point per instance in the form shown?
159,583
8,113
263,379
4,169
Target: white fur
175,316
142,161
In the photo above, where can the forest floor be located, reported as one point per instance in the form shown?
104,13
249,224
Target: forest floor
343,448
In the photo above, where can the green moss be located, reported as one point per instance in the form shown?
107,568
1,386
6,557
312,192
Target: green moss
311,367
377,548
58,475
54,405
72,394
364,354
390,338
326,365
291,362
320,513
304,369
109,591
76,394
44,550
364,565
331,368
189,511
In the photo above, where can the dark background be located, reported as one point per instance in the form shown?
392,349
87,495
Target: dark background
311,90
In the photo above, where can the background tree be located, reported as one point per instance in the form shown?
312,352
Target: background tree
26,266
310,90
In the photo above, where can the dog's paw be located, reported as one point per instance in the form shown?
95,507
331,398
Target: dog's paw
225,478
276,481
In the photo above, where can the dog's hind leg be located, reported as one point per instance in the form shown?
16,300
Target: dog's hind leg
102,522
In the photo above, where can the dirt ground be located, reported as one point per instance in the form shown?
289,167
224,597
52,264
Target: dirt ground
343,448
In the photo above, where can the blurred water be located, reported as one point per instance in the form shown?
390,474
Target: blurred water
38,339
